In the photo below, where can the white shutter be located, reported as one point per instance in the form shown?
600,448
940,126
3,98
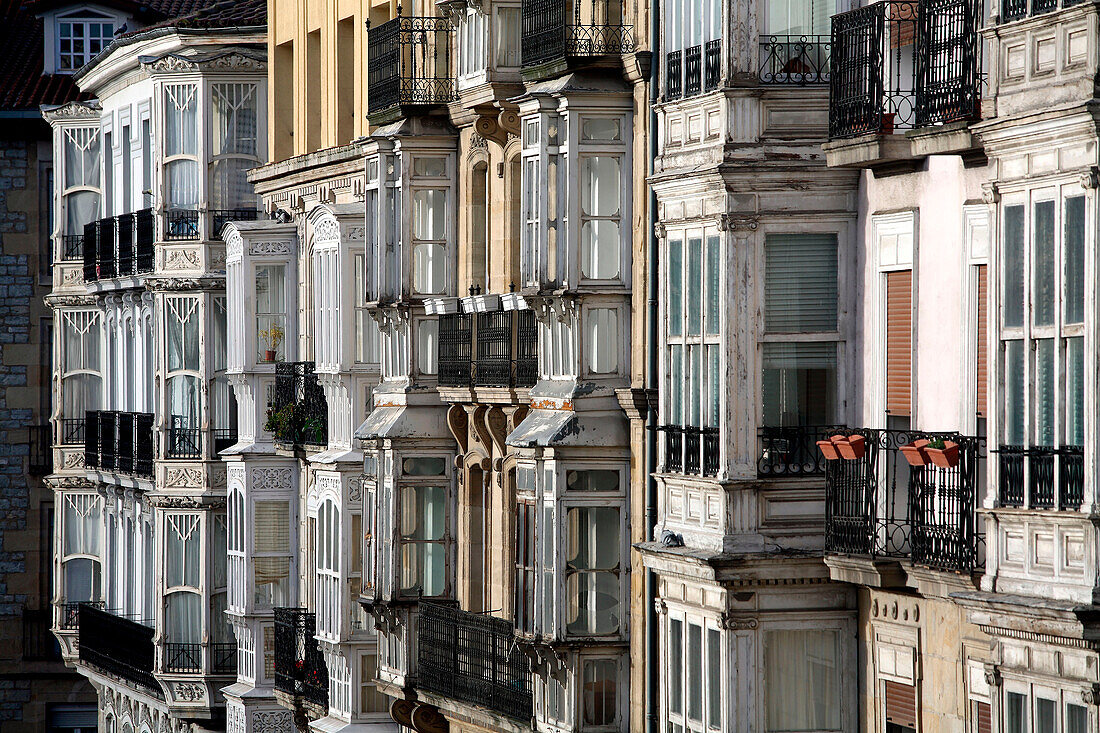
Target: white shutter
800,283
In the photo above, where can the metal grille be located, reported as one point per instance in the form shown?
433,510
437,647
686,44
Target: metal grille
144,237
712,65
409,63
792,451
527,349
595,29
494,349
674,74
126,242
949,62
181,225
72,431
693,71
119,441
225,657
220,217
299,408
183,658
184,440
300,669
105,249
72,247
691,450
1054,477
472,658
118,646
224,438
455,345
90,243
40,460
795,60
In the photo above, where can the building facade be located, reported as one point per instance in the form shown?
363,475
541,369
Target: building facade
152,163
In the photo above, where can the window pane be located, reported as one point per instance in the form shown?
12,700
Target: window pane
714,387
599,693
599,185
429,210
1015,713
422,512
600,249
799,384
1075,391
676,381
1043,294
1074,273
593,480
675,286
1014,267
184,621
714,679
800,283
81,580
603,340
1077,718
801,680
693,286
1014,392
429,268
695,672
713,277
675,664
1044,392
1046,711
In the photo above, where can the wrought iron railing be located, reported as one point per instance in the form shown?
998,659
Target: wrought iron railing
472,658
72,247
220,217
674,74
70,613
72,431
145,235
408,63
300,670
1041,477
791,451
224,657
497,349
118,246
691,450
900,64
181,225
594,28
879,505
121,442
224,438
118,646
182,658
796,60
1016,9
40,455
184,438
712,64
298,415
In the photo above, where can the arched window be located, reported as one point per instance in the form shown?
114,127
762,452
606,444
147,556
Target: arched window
181,161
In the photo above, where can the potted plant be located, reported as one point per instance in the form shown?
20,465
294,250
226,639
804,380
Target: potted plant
852,448
943,453
280,423
915,453
272,337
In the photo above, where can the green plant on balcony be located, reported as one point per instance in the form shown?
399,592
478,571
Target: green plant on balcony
313,431
284,422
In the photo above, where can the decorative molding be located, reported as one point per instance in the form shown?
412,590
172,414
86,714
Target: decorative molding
183,478
234,245
270,478
731,622
1090,178
270,248
1091,696
181,259
992,675
1038,638
730,223
355,487
74,460
991,193
659,230
272,722
326,230
189,691
355,233
73,111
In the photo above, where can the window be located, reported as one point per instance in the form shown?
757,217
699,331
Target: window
479,227
507,33
423,540
81,380
370,699
800,298
225,402
802,680
271,307
181,149
689,27
600,214
80,179
427,346
592,570
80,37
182,578
899,342
603,340
1015,713
799,17
693,692
367,335
233,120
328,565
1077,718
271,553
81,546
599,697
182,326
471,44
429,250
524,588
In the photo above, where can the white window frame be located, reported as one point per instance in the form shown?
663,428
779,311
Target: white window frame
81,17
676,671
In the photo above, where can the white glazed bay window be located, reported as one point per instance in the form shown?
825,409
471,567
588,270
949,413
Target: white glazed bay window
271,312
81,376
182,328
1043,358
423,531
81,547
328,564
604,177
181,159
183,580
80,179
430,231
233,120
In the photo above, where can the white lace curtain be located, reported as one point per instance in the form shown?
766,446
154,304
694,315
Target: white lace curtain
181,138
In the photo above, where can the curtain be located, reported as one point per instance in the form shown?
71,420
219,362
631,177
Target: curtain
801,680
221,630
180,120
271,535
233,116
184,622
81,580
182,542
231,187
81,207
603,340
183,184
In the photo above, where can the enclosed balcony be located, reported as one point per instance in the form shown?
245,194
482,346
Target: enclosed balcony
472,658
117,646
119,442
895,501
1041,478
902,66
298,416
220,217
559,35
119,246
301,677
408,66
494,349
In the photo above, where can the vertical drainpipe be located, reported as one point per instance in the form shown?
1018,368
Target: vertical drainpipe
652,709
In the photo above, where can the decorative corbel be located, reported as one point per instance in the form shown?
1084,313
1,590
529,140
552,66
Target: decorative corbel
1091,178
488,127
732,622
992,675
991,193
659,230
730,223
508,121
1091,696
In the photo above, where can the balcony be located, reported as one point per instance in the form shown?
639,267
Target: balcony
558,38
899,66
119,246
474,659
882,507
1017,9
298,415
791,452
494,349
117,646
187,658
181,225
301,677
40,458
408,65
795,60
70,613
220,217
693,71
72,247
119,442
72,431
1041,478
691,450
184,438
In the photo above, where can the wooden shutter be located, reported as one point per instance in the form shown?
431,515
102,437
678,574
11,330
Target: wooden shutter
901,704
899,342
984,713
982,331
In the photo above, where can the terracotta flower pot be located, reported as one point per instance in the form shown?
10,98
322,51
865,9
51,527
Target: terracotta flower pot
945,457
269,355
887,125
915,453
828,449
852,448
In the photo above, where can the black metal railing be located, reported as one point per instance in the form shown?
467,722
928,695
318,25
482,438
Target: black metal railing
408,63
224,657
118,246
1016,9
674,74
72,247
70,613
900,64
693,71
691,450
184,438
796,60
472,658
882,506
181,225
224,438
1041,477
300,669
72,431
118,646
594,28
182,658
220,217
712,65
40,450
121,442
298,415
791,451
497,349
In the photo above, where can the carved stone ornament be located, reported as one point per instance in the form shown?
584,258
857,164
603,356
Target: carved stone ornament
72,276
1091,696
428,719
217,259
737,623
729,223
176,502
355,487
326,230
189,691
1090,178
234,245
270,249
73,111
659,230
660,606
181,259
74,460
355,233
218,478
991,193
183,478
992,675
269,721
270,478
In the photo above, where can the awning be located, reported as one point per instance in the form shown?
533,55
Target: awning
549,428
404,422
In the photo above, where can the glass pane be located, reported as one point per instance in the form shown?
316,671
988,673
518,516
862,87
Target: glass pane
422,568
801,680
675,662
600,249
603,340
423,512
695,672
424,466
714,678
1046,712
1074,272
427,333
599,185
599,692
675,287
799,384
593,538
600,128
1014,267
1043,295
592,480
430,167
184,618
429,213
675,385
429,268
1075,391
1015,713
1044,392
1014,392
800,283
693,286
82,581
714,387
713,277
1077,718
